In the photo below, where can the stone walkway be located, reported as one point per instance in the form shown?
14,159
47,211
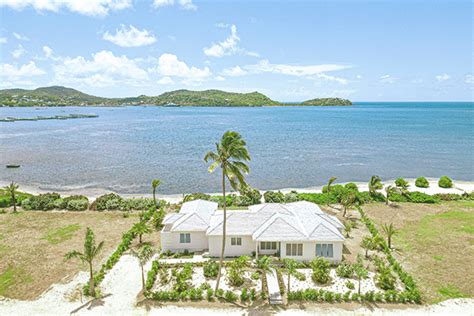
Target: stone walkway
273,288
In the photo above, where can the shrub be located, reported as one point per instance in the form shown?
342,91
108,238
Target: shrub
345,270
351,186
244,296
274,197
291,197
385,279
75,203
448,196
350,285
255,276
230,296
253,295
248,196
421,182
320,268
41,202
209,294
196,196
401,183
419,197
220,293
140,204
211,269
317,198
234,276
445,182
109,201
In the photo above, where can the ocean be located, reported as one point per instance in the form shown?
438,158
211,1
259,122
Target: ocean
126,147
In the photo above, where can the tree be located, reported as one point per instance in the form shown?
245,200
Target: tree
264,264
140,229
154,184
375,184
143,254
12,190
90,253
389,190
389,231
360,271
290,267
368,243
330,182
230,155
347,198
348,225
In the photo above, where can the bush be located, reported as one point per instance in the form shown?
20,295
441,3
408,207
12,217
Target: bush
351,186
402,183
421,182
445,182
419,197
244,296
230,296
109,201
320,268
385,279
448,196
274,197
317,198
140,204
196,196
253,295
74,203
248,196
255,276
209,294
211,269
345,270
291,197
41,202
350,285
234,276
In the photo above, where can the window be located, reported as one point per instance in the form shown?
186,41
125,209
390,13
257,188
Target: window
236,241
268,245
294,249
324,250
185,238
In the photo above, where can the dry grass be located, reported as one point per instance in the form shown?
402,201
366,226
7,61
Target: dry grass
435,244
33,244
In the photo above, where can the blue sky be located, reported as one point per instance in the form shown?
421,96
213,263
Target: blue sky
289,50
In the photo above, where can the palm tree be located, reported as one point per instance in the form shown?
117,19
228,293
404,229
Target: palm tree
375,184
368,243
360,271
12,190
389,190
229,156
330,182
347,199
389,230
140,229
264,264
90,253
290,267
348,225
143,254
154,184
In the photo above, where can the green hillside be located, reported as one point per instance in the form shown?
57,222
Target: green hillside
327,101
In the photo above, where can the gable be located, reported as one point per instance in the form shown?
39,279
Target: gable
190,222
278,229
324,233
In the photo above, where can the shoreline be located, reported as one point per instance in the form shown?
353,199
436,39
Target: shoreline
92,192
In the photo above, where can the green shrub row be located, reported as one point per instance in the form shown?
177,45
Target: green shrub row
322,295
247,197
196,294
411,292
6,201
114,202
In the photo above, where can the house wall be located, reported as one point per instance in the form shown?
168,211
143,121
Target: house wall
170,241
215,246
309,251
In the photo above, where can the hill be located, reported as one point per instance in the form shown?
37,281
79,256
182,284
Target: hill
62,96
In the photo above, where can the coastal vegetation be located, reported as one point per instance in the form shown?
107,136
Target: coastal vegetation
421,182
62,96
445,182
43,118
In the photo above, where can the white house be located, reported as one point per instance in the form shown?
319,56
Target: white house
298,230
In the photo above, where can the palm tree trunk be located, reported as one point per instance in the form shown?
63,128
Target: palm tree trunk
221,260
91,281
143,278
358,290
344,210
389,242
14,202
154,196
140,238
289,276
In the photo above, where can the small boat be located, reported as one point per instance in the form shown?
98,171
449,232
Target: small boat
172,105
13,166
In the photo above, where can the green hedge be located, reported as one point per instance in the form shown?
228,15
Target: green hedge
445,182
421,182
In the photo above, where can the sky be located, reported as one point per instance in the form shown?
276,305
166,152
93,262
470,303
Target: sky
288,50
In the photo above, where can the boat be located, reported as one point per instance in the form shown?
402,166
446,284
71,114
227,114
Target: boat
13,166
172,105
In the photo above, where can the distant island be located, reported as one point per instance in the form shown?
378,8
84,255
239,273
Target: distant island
62,96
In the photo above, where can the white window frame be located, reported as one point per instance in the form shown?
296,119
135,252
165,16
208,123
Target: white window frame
294,250
236,241
268,245
184,238
326,250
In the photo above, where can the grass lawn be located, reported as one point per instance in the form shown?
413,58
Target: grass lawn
435,244
33,245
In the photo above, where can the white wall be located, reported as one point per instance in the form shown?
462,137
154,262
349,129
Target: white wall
170,241
309,251
215,246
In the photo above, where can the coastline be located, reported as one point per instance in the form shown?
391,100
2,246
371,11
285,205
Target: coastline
92,193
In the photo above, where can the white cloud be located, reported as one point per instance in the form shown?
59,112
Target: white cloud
234,72
20,36
13,73
469,79
169,65
166,80
229,46
293,70
359,77
220,78
3,40
89,7
442,77
387,79
17,53
130,37
48,51
104,69
184,4
332,78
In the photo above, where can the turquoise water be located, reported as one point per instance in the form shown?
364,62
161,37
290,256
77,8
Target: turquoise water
124,148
